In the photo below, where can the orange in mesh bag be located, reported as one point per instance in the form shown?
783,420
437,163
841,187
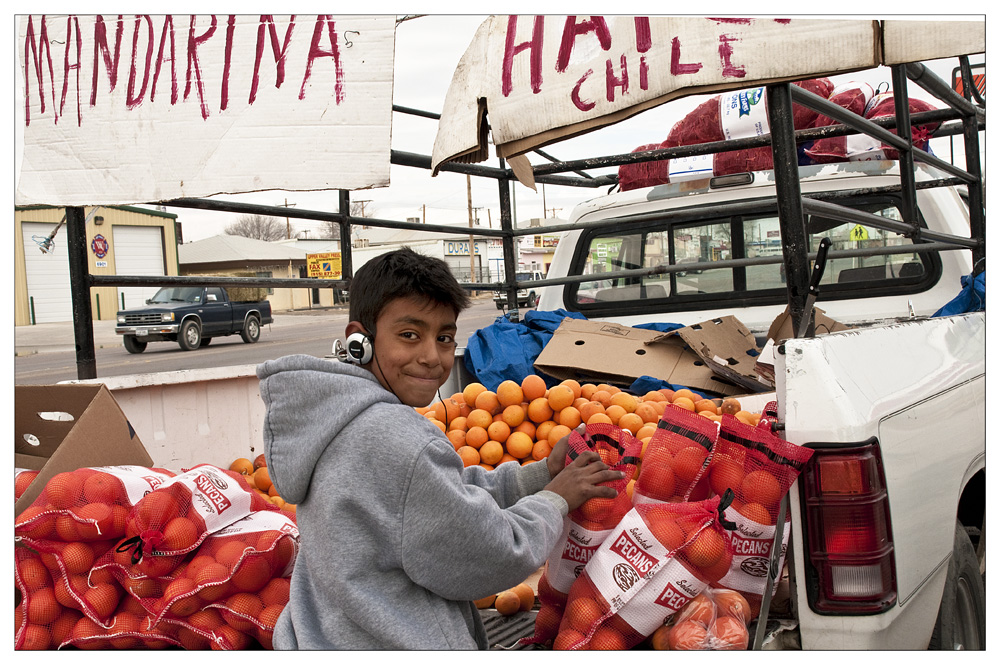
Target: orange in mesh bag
658,558
759,467
715,620
586,527
91,503
174,518
674,465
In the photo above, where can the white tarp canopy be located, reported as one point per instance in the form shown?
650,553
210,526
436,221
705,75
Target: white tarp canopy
145,108
545,78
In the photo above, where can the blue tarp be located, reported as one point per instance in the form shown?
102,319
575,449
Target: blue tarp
972,297
504,350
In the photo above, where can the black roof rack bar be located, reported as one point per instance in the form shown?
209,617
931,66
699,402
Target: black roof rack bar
835,211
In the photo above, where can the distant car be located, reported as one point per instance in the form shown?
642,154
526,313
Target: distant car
688,259
525,297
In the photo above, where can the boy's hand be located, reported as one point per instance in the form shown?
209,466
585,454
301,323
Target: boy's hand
580,480
557,457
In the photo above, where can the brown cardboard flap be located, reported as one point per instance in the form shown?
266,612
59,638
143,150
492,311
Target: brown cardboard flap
75,426
781,328
727,347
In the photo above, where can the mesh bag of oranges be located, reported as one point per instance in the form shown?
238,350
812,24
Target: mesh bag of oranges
658,558
586,527
88,504
714,620
22,479
759,467
674,464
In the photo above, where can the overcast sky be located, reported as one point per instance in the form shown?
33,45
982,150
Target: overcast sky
427,50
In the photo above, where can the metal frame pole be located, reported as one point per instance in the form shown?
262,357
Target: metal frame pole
79,278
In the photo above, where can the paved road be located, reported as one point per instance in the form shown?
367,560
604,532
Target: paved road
45,353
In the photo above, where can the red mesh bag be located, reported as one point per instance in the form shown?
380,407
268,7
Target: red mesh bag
658,558
715,620
22,479
643,174
855,97
884,105
176,517
759,468
207,629
127,631
87,504
586,527
243,557
39,617
673,466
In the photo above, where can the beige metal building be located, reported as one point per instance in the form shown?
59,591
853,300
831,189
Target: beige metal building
121,240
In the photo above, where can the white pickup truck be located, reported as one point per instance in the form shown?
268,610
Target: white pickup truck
899,398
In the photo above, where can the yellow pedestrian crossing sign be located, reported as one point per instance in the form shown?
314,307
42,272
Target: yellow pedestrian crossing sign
859,233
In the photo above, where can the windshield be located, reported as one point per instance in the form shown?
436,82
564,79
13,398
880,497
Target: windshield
524,276
178,294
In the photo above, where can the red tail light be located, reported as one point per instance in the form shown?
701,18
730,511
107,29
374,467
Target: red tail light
851,566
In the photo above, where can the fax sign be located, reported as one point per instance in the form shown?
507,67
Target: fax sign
99,246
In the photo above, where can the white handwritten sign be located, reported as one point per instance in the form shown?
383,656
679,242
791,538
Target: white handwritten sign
546,78
142,108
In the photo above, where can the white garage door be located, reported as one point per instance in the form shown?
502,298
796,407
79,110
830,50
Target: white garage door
47,273
138,251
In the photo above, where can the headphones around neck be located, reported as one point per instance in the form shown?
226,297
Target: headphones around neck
359,348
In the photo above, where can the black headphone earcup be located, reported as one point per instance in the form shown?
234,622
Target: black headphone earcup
359,348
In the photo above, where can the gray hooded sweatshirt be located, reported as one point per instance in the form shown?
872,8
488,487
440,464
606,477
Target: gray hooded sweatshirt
397,538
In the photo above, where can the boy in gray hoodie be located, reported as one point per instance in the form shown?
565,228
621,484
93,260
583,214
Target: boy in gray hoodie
397,537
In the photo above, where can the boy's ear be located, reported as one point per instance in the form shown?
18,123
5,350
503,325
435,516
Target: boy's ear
354,327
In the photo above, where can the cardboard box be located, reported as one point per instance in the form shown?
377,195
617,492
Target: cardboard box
728,348
598,351
66,427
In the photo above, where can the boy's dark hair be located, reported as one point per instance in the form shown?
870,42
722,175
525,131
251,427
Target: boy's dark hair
402,273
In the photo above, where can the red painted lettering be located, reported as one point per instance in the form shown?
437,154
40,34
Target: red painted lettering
643,73
131,98
166,34
725,54
194,66
101,48
72,33
616,82
511,49
643,37
571,29
38,48
676,66
277,50
575,95
334,52
227,63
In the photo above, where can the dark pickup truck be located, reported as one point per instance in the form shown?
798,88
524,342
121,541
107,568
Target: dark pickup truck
191,316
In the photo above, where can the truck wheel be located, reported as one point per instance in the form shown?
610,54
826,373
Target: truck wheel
190,335
533,300
961,621
251,330
132,345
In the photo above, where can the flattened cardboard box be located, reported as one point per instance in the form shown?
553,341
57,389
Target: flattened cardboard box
66,427
598,351
728,348
781,329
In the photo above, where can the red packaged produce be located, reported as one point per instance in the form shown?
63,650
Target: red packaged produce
658,558
767,466
715,620
674,465
22,479
643,174
884,105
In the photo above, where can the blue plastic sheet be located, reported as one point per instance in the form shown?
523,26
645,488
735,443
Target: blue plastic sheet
972,297
505,350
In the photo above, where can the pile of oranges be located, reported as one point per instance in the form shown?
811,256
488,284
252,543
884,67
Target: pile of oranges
520,598
521,422
259,479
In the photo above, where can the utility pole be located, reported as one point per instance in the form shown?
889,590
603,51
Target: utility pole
545,210
424,218
472,239
288,225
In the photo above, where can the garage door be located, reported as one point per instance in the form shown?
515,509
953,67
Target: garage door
47,273
138,251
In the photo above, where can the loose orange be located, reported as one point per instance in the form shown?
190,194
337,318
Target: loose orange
476,437
539,410
556,433
573,385
705,405
527,596
647,412
540,450
486,602
519,445
590,408
507,603
646,432
498,431
599,418
543,429
687,394
526,427
457,437
440,425
587,391
684,403
491,452
533,387
509,392
654,396
488,401
745,417
559,397
615,412
630,422
602,397
460,423
624,400
513,415
479,418
262,479
570,417
472,391
469,455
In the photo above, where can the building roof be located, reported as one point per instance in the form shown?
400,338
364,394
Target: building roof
232,249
